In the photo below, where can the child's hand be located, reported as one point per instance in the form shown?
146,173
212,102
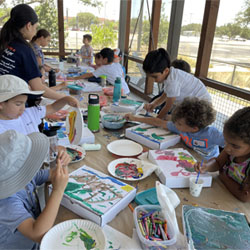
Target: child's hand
129,117
63,85
199,168
149,107
63,156
73,102
59,175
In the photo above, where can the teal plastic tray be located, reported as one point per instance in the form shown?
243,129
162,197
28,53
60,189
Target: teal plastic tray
147,197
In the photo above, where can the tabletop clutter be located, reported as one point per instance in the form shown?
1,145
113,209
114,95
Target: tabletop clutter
99,197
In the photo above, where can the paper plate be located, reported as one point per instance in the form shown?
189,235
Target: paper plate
74,127
74,149
66,235
124,148
133,168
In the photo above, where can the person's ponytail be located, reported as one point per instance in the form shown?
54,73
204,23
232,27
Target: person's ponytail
20,15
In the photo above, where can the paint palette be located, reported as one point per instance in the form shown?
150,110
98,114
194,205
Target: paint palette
131,169
73,235
76,153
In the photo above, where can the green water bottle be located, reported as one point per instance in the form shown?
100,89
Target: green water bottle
93,113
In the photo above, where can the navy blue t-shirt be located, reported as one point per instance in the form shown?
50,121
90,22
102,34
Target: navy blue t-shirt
19,60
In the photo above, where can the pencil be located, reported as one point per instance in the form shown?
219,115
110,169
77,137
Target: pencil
131,208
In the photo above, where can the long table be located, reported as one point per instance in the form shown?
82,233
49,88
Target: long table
217,196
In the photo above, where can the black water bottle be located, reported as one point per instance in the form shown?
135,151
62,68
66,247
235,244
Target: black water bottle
52,78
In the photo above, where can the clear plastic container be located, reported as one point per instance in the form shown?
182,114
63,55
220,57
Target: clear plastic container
150,244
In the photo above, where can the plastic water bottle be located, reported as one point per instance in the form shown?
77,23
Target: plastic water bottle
117,90
52,78
94,113
103,80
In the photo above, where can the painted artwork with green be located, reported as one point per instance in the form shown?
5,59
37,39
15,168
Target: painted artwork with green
95,190
208,228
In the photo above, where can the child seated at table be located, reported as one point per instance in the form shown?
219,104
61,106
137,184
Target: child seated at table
233,162
22,223
108,68
177,83
191,119
98,61
13,115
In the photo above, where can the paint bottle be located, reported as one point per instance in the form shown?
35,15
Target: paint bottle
117,90
94,113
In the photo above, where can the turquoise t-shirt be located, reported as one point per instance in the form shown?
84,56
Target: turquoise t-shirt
206,142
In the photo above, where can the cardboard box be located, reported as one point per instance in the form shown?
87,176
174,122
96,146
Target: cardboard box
151,136
96,196
176,167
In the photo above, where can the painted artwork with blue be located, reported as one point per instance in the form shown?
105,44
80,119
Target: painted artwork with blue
207,228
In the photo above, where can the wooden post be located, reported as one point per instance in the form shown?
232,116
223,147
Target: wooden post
153,39
61,28
127,32
206,38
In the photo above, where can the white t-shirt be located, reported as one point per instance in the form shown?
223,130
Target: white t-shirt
112,71
181,84
27,123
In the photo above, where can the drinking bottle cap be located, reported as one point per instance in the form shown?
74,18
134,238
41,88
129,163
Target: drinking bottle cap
51,131
93,99
118,80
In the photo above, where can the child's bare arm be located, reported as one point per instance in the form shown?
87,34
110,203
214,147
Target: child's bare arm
212,165
84,76
158,101
242,193
167,107
149,120
35,229
57,105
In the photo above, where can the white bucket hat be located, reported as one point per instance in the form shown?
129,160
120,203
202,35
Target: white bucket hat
11,86
21,157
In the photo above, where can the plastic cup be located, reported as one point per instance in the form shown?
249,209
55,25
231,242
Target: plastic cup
195,188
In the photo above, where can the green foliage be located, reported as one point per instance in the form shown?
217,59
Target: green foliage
195,27
93,3
103,36
72,22
47,15
85,20
229,29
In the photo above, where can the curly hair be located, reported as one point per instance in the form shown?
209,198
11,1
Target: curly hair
238,125
196,112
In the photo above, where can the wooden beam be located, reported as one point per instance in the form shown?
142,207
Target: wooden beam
155,23
127,32
206,38
61,27
153,39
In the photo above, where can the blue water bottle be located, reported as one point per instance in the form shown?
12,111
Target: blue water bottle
117,90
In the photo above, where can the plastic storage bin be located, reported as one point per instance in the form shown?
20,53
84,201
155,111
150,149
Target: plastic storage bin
150,244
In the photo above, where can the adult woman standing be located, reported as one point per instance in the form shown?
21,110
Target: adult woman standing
16,55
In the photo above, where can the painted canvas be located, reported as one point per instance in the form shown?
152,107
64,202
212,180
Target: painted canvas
96,196
176,167
152,137
207,228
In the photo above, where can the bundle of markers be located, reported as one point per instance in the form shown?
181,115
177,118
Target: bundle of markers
152,226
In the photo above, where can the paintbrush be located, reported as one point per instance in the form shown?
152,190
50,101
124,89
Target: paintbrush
198,175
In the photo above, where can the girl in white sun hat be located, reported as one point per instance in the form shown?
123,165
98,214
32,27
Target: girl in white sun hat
22,224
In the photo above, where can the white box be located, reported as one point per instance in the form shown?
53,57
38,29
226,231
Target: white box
152,137
96,196
176,167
